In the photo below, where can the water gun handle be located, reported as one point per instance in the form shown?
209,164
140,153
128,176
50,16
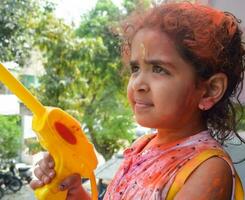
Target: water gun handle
51,191
45,193
61,135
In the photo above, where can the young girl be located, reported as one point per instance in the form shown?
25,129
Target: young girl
187,64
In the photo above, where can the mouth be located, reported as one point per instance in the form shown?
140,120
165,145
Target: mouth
142,104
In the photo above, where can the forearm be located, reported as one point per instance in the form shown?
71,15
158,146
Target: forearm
84,194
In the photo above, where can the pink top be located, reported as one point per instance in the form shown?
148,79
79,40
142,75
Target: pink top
148,174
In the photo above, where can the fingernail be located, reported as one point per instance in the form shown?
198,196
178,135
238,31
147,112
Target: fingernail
51,174
46,180
62,186
40,183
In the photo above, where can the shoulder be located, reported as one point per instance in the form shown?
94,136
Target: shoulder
211,180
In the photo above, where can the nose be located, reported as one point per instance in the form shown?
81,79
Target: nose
140,83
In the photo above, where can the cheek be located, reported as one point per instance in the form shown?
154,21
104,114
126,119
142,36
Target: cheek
176,99
130,92
187,98
192,96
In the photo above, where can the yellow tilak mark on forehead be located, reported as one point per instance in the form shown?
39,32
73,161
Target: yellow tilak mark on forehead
142,47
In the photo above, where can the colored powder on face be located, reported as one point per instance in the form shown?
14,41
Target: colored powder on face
143,50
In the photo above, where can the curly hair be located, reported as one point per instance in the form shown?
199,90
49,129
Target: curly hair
211,41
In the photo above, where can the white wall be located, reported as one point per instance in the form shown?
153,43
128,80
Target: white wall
9,105
236,7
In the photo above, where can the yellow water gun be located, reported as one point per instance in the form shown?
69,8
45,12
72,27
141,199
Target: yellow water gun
61,135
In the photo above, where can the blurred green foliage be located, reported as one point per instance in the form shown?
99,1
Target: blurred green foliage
33,146
15,35
241,117
10,136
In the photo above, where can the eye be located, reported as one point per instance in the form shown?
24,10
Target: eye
134,68
159,70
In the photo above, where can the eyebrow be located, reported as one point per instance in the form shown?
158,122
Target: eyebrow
133,62
153,62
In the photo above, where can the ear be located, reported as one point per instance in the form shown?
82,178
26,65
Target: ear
214,90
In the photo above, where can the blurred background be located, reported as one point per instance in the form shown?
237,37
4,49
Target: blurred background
67,53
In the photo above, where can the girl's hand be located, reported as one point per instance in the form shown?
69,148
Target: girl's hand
44,171
45,174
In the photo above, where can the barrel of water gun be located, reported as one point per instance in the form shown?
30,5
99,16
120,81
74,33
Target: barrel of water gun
61,135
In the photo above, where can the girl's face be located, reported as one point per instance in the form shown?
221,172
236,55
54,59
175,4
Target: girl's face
162,88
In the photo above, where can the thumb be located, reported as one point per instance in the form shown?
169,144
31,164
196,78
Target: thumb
71,182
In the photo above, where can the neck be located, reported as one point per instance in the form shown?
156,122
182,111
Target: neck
173,134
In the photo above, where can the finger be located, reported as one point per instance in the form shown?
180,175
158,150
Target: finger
49,160
34,184
43,176
72,181
44,166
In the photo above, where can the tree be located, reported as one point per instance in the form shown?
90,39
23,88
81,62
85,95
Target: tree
132,5
60,51
83,75
15,36
107,117
10,136
18,20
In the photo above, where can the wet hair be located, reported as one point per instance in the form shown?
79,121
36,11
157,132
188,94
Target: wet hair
211,41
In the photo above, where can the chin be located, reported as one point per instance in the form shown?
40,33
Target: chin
146,123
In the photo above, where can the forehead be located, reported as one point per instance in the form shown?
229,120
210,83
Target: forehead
153,44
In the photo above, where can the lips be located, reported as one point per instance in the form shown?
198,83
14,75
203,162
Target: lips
143,104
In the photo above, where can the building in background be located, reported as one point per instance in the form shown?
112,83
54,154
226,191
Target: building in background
11,105
235,7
